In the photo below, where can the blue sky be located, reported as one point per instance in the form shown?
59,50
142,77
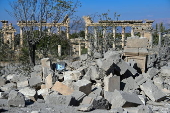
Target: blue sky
158,10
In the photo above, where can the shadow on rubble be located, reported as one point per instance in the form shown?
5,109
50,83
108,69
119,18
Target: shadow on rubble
3,110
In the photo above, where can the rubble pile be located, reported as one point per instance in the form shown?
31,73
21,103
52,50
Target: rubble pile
90,84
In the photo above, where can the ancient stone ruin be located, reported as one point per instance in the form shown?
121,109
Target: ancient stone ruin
133,80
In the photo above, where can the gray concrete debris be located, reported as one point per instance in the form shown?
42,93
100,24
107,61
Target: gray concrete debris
111,83
16,99
43,92
85,107
165,71
158,81
38,68
100,103
78,95
123,67
22,82
152,91
96,92
2,81
83,57
93,73
72,75
76,64
8,87
140,79
125,99
152,72
35,81
29,93
129,84
116,110
97,55
83,86
56,99
4,95
139,109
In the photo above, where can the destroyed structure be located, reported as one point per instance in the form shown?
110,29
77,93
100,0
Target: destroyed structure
8,32
133,80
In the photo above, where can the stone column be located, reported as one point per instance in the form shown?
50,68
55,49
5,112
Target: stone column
95,37
12,40
67,32
160,38
89,49
59,50
114,36
104,32
151,40
21,36
79,48
132,32
58,30
123,37
5,37
86,32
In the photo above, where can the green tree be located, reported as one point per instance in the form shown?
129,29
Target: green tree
40,11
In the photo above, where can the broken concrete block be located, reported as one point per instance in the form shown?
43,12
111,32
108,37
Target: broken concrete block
62,88
93,73
158,81
143,99
165,71
97,91
100,103
4,95
2,81
46,62
152,91
140,79
85,107
136,42
22,82
8,87
76,64
123,67
43,92
35,81
131,51
124,99
83,86
72,75
152,72
129,84
10,77
16,99
87,100
29,93
111,83
78,95
56,99
49,81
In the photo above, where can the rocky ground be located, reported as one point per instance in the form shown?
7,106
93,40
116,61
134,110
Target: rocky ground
97,83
